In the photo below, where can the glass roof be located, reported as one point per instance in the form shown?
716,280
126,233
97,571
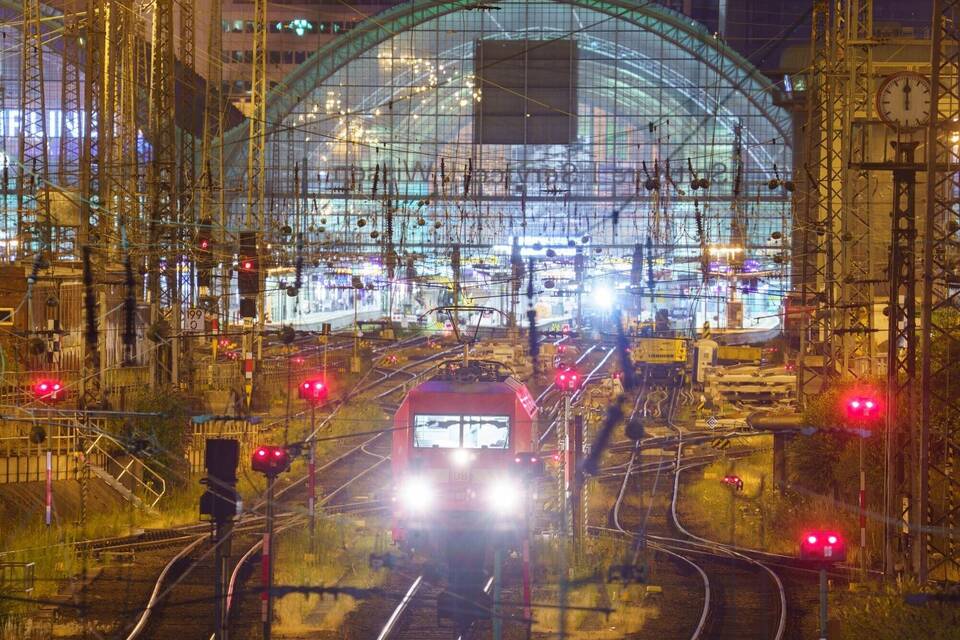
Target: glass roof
392,126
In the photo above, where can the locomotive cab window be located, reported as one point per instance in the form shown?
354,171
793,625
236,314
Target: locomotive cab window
470,432
436,431
486,432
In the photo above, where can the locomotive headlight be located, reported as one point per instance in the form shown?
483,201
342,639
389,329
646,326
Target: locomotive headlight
504,496
416,494
461,457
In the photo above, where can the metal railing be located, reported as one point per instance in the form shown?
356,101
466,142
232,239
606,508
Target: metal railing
144,479
17,576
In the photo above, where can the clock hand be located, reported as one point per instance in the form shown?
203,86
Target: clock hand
906,95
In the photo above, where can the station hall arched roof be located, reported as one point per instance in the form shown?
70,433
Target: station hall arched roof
679,90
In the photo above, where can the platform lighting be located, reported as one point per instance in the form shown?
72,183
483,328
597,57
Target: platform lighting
603,297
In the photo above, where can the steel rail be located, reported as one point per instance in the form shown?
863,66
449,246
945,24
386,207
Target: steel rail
782,625
155,595
400,609
705,610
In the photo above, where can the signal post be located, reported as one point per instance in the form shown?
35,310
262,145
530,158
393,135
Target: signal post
568,381
863,412
270,461
219,501
314,391
822,549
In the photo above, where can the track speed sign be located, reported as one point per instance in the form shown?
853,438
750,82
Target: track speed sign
193,320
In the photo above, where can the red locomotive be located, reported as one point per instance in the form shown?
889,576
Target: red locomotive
463,450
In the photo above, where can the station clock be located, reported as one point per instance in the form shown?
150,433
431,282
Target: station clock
903,100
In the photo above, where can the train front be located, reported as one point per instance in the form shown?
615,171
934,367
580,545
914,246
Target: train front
462,457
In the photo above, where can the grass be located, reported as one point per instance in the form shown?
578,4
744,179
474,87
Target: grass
884,615
757,517
56,561
589,589
339,556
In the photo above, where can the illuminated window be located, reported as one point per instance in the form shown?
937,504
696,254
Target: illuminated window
486,432
436,431
238,26
301,26
469,432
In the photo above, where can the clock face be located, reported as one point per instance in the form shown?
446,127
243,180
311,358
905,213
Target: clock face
903,100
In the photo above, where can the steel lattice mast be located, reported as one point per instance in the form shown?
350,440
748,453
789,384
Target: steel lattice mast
163,261
821,202
857,265
937,446
33,199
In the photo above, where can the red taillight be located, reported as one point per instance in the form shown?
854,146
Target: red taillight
832,539
262,452
812,539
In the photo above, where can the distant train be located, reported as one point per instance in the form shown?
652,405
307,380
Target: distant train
660,359
463,454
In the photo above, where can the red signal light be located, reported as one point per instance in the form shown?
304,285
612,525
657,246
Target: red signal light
204,243
822,547
247,265
567,379
270,460
313,391
863,408
48,390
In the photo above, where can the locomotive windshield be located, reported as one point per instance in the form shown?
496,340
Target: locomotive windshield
469,432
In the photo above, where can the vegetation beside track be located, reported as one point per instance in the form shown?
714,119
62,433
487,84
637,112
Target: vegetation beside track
339,556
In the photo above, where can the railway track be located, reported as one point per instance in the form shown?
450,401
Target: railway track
151,607
738,591
336,478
